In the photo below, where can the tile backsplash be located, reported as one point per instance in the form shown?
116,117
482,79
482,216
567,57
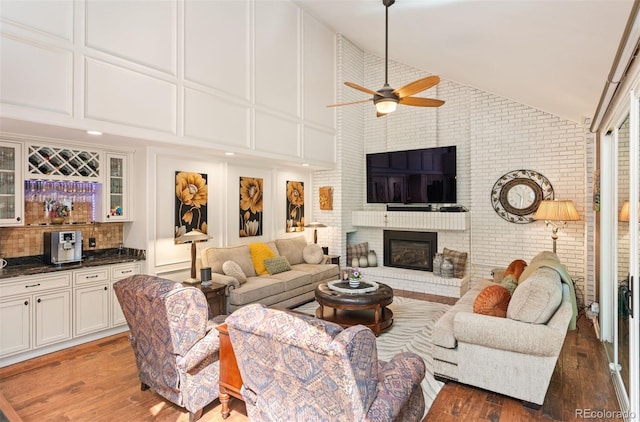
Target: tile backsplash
35,213
29,240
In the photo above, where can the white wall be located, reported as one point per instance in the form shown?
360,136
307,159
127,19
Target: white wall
244,75
493,135
74,70
200,77
347,176
223,175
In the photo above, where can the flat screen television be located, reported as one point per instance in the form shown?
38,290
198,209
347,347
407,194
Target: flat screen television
417,176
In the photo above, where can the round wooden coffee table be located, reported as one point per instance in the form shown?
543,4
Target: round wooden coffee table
348,309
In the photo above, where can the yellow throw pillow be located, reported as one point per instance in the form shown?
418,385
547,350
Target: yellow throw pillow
259,252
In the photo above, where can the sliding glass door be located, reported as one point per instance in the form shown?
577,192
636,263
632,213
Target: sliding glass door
620,164
631,296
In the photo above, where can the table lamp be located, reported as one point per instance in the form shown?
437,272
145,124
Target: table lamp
624,212
315,225
193,237
556,214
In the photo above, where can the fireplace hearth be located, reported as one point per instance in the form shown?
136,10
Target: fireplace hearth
410,249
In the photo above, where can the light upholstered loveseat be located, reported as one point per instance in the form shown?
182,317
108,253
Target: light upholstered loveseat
288,288
516,355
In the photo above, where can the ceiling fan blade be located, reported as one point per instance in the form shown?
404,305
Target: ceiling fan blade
421,102
417,86
352,102
360,88
378,114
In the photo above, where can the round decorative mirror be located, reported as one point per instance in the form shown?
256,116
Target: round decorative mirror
516,195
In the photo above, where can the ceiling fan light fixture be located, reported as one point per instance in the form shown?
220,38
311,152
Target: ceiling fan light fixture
386,99
386,105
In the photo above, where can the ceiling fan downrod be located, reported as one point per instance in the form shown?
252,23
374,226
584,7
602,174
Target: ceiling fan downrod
387,4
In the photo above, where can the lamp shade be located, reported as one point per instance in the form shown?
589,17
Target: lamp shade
624,212
315,225
557,211
192,237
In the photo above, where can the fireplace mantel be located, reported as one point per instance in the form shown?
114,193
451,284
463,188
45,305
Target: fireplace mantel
458,221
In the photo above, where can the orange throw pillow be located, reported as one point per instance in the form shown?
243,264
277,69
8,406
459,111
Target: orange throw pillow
515,268
492,301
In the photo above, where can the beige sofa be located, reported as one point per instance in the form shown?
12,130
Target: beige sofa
285,289
516,355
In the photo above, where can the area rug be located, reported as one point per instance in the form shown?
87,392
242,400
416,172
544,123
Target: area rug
413,322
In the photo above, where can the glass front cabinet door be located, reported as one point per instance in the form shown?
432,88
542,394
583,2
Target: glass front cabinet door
11,204
116,191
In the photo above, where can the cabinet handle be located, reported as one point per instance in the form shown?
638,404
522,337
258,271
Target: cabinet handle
26,302
106,288
39,300
32,285
126,271
18,219
92,276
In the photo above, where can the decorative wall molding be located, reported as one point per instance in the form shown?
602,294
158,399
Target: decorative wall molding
169,74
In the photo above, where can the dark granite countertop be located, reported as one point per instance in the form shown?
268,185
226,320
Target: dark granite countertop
30,265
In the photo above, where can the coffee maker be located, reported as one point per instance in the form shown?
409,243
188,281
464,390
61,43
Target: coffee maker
63,247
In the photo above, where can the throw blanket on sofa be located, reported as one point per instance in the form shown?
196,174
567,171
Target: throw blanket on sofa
553,263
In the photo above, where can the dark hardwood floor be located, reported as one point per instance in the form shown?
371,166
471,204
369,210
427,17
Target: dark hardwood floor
98,381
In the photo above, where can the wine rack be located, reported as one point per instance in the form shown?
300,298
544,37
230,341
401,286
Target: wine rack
64,162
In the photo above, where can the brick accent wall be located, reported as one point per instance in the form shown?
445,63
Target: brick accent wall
493,135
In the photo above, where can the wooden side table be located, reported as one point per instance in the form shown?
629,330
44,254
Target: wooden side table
230,379
215,294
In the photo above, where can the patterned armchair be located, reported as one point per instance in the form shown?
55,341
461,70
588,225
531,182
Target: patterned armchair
295,367
175,345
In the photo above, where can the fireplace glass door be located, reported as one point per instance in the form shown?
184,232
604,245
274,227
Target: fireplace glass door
412,250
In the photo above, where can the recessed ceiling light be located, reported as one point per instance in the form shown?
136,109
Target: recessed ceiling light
305,165
94,132
229,153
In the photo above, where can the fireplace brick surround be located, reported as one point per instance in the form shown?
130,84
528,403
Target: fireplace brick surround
419,281
451,228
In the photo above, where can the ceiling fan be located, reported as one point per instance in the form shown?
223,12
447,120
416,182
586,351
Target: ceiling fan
386,99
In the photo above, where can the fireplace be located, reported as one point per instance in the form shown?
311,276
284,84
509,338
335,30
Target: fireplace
412,250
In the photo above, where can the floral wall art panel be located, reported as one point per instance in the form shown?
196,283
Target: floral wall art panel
295,206
191,202
326,198
251,206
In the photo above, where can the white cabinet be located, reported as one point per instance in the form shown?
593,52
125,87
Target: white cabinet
117,316
66,173
62,163
15,325
91,309
119,272
96,306
47,312
91,300
35,311
53,317
116,198
11,192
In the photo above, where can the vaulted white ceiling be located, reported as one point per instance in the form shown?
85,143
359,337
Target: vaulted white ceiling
553,55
